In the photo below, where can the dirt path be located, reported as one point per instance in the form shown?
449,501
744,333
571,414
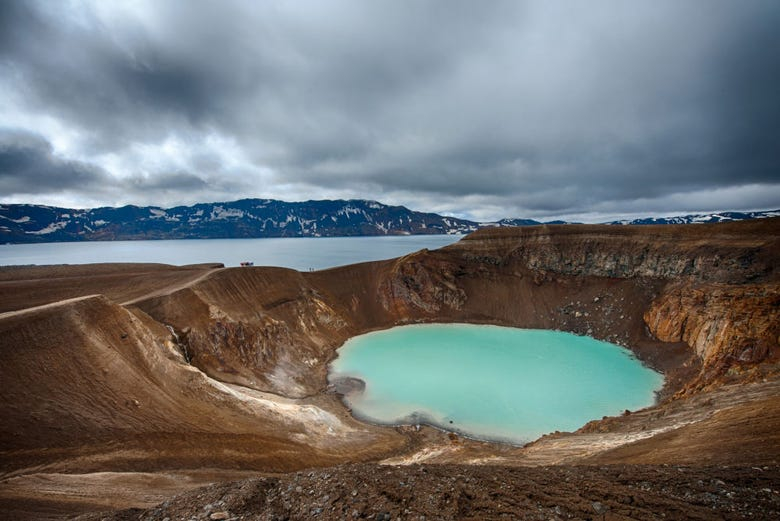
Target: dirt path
29,286
54,495
167,290
34,309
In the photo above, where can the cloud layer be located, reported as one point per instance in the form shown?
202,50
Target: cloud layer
502,109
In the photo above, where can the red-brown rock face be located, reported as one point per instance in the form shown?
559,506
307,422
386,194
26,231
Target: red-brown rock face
731,328
420,285
716,288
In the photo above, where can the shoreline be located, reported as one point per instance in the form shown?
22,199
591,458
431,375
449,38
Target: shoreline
349,386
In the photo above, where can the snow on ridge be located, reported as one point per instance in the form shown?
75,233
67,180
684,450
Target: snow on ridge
53,227
349,209
283,224
220,212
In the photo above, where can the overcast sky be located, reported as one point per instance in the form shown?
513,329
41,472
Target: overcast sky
542,109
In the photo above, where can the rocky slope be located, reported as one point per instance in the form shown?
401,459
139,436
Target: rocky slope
226,368
643,287
101,382
484,492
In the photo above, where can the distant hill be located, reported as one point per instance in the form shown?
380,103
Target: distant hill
254,218
247,218
703,218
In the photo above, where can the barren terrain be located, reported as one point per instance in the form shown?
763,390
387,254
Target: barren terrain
126,384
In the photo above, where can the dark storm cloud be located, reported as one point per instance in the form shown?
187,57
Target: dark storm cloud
28,166
111,90
502,108
166,181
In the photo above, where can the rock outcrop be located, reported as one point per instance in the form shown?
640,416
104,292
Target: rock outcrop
419,285
734,330
735,252
714,288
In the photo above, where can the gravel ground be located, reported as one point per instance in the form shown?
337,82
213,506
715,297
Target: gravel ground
482,492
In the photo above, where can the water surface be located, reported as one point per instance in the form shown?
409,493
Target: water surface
297,253
491,382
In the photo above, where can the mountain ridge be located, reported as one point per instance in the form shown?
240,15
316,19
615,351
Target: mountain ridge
261,218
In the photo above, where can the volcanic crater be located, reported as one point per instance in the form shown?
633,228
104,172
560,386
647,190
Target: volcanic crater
126,384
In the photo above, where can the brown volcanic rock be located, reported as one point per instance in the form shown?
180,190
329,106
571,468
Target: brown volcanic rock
732,329
259,327
735,252
27,286
713,301
484,492
421,285
88,384
731,434
73,371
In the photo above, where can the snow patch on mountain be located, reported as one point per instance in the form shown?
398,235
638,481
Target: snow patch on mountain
219,212
717,217
51,228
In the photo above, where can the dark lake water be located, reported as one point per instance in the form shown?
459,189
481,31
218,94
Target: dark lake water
297,253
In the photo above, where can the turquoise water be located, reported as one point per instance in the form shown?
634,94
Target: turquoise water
491,382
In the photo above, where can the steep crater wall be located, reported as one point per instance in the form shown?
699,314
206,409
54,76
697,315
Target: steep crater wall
276,330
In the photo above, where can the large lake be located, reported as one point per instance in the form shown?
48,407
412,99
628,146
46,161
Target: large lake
297,253
490,382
